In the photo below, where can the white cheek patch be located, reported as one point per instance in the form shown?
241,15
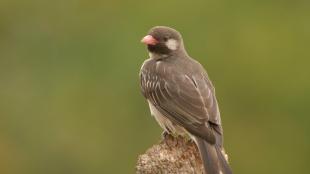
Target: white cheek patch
172,44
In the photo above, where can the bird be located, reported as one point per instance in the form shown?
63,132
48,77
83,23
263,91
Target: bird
181,96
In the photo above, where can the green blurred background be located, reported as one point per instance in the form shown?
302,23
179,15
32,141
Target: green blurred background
69,88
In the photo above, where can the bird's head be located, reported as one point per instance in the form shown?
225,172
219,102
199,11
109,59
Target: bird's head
162,40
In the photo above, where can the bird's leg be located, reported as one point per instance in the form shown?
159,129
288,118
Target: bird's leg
169,139
164,135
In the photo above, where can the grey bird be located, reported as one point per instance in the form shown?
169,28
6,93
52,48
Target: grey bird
181,96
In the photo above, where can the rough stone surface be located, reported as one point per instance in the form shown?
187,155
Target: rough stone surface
171,155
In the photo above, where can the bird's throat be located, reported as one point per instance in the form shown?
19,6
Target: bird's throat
157,56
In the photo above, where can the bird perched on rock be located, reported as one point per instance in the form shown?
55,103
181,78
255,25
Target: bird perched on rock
181,96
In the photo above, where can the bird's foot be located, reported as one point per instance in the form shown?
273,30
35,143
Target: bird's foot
165,135
168,139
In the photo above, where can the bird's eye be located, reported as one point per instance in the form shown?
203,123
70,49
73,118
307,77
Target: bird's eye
166,38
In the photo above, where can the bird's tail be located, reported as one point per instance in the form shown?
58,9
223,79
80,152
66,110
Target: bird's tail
213,159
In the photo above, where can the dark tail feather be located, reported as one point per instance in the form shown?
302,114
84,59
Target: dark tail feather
223,162
213,159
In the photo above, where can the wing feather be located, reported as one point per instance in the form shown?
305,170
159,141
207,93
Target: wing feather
186,100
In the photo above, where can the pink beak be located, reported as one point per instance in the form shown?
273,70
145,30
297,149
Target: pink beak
149,40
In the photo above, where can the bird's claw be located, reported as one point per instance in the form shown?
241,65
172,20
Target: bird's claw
165,135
